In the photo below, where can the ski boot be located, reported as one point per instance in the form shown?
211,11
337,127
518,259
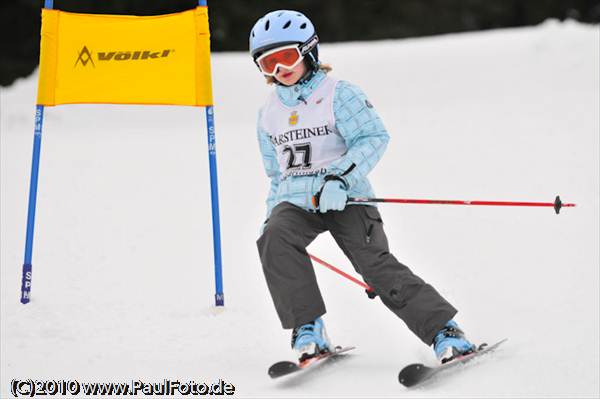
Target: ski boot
450,342
310,340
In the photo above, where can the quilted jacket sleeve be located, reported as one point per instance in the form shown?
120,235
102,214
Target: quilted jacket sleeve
269,157
363,131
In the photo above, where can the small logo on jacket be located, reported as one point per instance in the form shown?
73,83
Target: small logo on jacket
293,118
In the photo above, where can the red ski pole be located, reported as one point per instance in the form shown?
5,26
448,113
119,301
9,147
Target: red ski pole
557,204
369,290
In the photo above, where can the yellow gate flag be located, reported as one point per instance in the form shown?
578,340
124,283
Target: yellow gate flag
118,59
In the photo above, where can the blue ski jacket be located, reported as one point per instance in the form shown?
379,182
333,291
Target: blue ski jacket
359,125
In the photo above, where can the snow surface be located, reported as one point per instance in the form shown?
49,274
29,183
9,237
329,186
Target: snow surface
122,267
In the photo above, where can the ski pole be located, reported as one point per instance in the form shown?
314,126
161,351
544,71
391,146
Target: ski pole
557,204
368,289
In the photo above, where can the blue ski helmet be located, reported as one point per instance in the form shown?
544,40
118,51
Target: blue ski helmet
283,27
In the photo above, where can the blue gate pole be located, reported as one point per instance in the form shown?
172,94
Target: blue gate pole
214,196
33,184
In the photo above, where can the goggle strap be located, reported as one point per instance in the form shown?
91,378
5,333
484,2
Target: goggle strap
308,45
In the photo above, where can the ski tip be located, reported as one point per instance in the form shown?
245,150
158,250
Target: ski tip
282,368
412,374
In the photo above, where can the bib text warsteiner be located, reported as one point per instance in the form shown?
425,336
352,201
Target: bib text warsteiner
300,134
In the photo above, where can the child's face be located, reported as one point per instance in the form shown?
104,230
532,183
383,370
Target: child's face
289,77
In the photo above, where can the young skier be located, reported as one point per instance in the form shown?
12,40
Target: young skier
320,136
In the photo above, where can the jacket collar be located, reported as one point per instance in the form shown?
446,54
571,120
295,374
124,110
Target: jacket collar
293,95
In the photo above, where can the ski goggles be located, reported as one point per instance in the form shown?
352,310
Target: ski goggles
286,56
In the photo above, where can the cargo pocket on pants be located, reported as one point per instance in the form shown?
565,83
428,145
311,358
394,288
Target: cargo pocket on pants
372,222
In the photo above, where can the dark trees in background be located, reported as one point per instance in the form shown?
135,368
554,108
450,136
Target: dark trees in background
336,20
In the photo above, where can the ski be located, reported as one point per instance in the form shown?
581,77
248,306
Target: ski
280,369
417,373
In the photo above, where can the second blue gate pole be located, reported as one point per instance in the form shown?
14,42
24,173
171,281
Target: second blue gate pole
33,185
214,195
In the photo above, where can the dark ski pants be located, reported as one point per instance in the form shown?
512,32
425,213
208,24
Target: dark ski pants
358,230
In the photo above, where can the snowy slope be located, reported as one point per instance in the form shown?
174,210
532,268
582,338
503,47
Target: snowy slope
123,283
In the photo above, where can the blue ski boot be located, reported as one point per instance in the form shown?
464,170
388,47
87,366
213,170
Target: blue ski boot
450,342
310,340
